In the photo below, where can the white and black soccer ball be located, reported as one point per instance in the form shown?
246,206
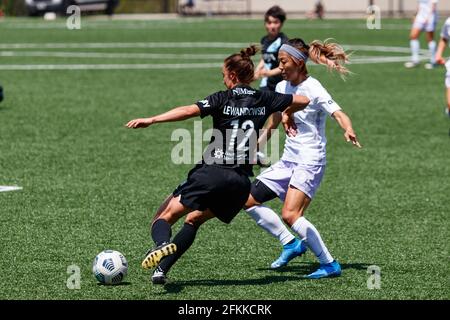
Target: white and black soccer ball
110,267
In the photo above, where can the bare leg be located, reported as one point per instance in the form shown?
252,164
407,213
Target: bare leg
169,213
448,99
294,208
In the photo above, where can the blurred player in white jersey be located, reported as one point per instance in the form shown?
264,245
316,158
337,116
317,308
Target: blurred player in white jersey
443,43
425,21
297,176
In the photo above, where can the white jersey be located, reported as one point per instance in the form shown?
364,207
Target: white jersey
426,7
309,145
445,32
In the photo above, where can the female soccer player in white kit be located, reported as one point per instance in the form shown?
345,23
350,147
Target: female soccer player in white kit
426,20
295,178
443,43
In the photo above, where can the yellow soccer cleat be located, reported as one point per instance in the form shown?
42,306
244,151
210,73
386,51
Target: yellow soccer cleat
154,256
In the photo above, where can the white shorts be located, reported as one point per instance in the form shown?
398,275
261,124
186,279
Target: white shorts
282,174
447,74
421,23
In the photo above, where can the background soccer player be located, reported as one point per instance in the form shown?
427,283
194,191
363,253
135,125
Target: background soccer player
425,20
218,186
296,177
267,68
443,43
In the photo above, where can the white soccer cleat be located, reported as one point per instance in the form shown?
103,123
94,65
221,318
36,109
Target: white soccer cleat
411,64
159,277
429,66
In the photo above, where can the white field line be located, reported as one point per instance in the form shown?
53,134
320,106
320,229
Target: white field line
139,25
205,45
110,45
108,66
381,49
102,55
354,60
9,188
25,67
106,55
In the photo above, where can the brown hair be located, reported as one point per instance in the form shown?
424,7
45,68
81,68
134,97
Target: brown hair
325,53
275,12
242,65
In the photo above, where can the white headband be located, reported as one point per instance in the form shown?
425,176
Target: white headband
294,52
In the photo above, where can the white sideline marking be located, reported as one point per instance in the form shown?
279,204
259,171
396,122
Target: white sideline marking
127,45
108,66
172,24
9,188
18,67
103,55
131,45
189,56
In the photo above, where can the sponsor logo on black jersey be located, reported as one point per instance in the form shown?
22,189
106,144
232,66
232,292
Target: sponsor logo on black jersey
240,91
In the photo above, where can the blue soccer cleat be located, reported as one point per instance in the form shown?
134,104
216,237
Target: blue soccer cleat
328,270
290,251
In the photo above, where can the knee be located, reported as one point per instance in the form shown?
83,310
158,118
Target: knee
194,221
289,216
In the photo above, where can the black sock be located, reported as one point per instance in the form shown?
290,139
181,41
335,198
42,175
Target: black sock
161,231
183,239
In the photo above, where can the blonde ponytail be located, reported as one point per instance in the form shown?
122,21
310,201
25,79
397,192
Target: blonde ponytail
329,54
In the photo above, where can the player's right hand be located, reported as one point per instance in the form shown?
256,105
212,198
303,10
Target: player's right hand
289,124
139,123
440,59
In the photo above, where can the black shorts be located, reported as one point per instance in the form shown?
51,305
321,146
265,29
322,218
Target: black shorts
262,193
223,190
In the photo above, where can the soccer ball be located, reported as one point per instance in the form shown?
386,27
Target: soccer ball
110,267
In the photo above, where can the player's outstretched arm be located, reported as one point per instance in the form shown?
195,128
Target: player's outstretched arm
269,73
440,51
346,124
176,114
258,70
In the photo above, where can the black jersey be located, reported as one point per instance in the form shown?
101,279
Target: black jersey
269,50
238,116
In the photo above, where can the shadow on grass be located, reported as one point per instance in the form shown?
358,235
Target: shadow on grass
126,283
176,287
302,269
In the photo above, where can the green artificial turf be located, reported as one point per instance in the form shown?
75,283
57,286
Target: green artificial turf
89,184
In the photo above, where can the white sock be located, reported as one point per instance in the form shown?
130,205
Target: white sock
311,236
432,48
267,219
415,47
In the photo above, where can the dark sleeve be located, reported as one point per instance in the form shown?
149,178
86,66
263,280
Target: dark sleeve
277,101
262,40
211,103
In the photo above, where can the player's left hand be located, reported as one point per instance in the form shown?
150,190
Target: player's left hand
289,124
350,136
139,123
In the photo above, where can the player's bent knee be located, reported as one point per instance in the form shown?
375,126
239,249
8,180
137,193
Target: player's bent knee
290,216
251,202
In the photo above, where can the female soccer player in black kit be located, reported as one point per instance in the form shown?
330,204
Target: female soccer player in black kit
219,185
